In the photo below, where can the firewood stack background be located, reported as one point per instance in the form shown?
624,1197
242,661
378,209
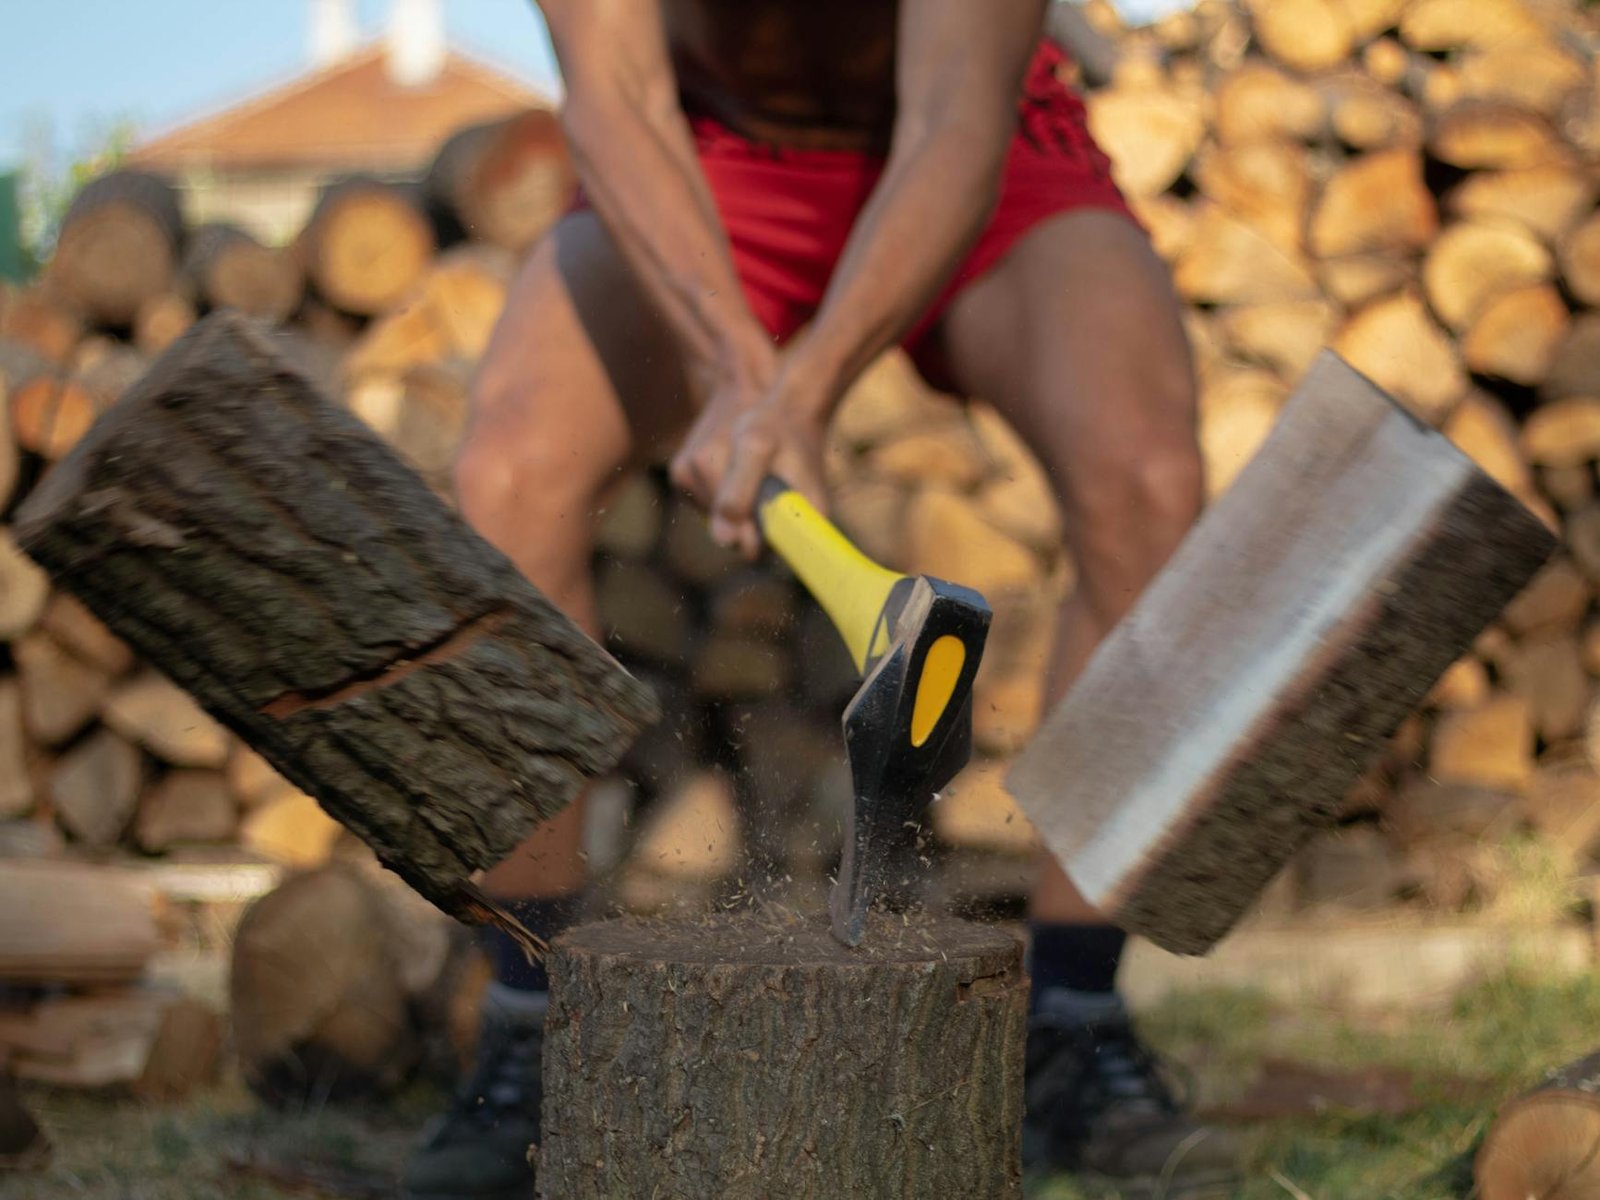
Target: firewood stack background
1411,182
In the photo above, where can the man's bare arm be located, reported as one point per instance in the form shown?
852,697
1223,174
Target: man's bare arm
636,159
1095,53
960,72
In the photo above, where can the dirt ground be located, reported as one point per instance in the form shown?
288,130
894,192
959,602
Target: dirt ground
1380,1107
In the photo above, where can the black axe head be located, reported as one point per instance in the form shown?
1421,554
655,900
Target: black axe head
907,731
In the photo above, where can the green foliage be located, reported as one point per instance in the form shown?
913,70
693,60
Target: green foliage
47,190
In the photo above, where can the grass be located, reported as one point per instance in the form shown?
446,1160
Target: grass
1491,1043
1495,1040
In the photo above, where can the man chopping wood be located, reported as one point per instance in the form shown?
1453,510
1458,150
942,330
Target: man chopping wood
775,192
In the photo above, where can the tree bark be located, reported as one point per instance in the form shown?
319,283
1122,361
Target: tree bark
268,554
1546,1143
753,1056
119,245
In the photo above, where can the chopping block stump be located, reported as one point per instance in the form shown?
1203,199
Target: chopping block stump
750,1056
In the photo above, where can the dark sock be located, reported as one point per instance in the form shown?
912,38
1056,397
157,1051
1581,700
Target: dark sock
1075,958
543,917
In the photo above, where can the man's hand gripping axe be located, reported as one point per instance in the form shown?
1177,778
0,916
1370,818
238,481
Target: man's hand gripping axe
908,729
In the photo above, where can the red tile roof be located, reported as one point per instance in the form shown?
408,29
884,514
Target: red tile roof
349,116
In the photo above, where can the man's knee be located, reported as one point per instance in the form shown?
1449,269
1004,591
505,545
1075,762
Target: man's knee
524,473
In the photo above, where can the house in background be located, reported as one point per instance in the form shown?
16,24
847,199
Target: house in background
381,108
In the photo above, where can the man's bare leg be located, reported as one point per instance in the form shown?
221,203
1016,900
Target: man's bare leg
549,433
1101,387
1076,338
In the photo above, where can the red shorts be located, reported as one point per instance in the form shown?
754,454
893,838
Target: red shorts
788,212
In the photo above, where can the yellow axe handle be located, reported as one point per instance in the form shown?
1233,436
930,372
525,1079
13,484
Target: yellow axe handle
851,588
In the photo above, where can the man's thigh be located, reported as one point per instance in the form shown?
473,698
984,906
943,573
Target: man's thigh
1076,337
580,365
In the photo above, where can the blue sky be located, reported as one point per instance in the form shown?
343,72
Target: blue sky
80,66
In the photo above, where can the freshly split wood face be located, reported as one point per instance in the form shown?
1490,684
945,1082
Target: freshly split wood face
1306,615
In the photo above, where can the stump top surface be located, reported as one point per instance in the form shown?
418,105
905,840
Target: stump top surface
787,939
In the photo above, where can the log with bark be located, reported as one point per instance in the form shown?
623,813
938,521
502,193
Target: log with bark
316,993
260,547
162,320
95,786
158,1045
24,589
225,267
61,693
1546,1143
752,1056
73,923
119,245
1296,535
503,182
366,246
16,783
40,318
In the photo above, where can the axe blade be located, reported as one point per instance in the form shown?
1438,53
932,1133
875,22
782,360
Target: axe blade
907,732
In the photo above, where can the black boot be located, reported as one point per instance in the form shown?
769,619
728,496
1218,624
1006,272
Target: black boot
1098,1104
478,1149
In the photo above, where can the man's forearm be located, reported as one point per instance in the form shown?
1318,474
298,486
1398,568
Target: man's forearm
637,165
928,207
958,78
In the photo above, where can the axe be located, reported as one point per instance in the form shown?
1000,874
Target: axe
917,641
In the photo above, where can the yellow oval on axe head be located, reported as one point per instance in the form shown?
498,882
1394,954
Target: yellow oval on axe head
940,670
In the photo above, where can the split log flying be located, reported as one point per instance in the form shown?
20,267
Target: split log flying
1383,551
760,1058
267,553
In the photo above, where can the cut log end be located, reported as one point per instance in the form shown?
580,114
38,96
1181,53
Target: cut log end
1546,1143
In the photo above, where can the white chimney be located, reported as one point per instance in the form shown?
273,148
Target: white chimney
416,42
332,34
